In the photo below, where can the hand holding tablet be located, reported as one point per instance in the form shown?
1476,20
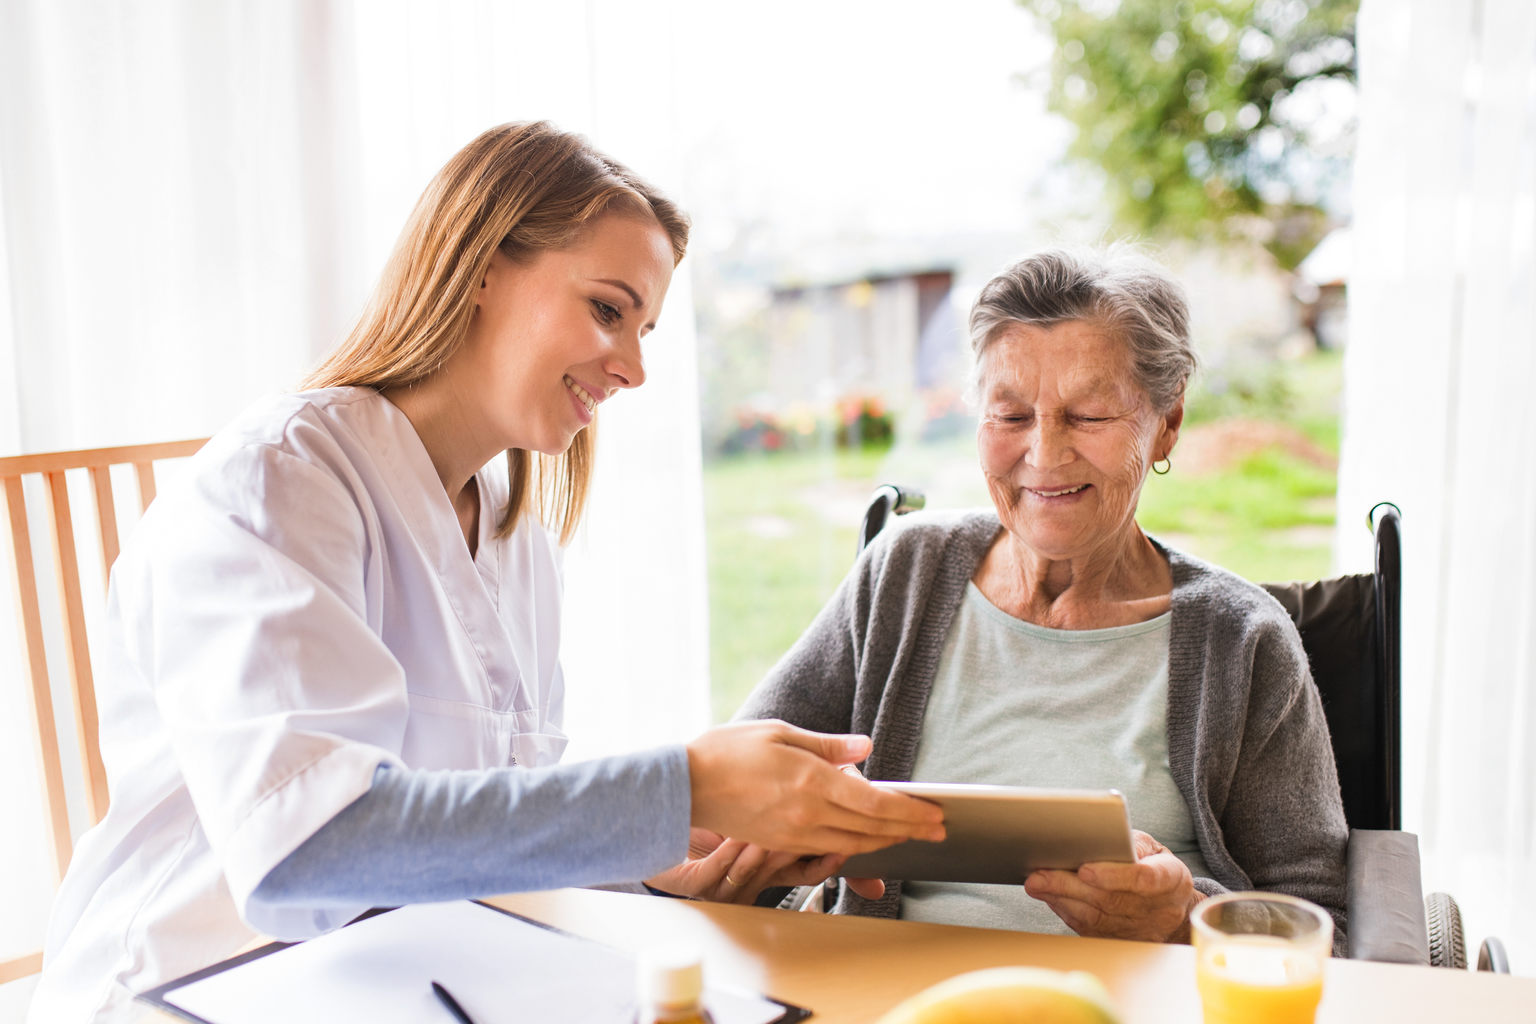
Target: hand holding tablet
1149,901
1001,834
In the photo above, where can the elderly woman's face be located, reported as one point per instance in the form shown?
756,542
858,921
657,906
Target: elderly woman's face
1066,436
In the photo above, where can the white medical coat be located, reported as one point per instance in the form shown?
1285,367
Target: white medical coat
301,611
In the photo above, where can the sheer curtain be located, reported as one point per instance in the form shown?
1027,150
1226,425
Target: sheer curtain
195,196
432,76
1440,420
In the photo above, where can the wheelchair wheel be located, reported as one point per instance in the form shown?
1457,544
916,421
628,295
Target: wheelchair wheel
1492,957
1447,947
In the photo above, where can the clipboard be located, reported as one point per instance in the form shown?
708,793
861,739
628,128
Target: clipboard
379,968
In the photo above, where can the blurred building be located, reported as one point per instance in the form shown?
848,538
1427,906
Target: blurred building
1322,281
1241,306
893,339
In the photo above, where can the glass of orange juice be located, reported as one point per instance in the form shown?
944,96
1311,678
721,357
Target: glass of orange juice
1259,957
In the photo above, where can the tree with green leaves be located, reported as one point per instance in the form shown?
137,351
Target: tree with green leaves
1196,110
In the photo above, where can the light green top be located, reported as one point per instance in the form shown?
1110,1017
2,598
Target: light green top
1015,704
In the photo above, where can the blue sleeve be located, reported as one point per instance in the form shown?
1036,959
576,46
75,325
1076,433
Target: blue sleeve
421,836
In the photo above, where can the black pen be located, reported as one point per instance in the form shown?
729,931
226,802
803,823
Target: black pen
452,1004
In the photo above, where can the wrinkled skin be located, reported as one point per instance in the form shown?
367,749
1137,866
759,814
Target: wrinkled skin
1149,900
1061,412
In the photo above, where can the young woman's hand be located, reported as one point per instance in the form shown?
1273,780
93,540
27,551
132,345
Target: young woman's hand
869,888
779,787
1149,900
732,871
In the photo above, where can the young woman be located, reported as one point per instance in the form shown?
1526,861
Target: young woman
329,677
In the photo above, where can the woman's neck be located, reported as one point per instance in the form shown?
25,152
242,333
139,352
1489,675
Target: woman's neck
457,445
1124,581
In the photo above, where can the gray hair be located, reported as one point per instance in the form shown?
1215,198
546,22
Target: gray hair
1118,288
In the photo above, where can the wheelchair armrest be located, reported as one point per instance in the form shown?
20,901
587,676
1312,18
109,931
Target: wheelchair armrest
1385,898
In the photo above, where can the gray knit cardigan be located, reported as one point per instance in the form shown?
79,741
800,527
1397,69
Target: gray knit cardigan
1247,743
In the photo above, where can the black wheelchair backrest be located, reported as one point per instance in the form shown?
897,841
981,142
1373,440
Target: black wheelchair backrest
1350,628
1337,622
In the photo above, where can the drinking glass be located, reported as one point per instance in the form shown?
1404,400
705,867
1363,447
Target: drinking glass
1259,957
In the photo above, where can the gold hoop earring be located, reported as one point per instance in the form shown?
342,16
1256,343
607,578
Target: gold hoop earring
1163,472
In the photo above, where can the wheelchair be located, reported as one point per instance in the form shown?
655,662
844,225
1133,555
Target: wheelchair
1350,627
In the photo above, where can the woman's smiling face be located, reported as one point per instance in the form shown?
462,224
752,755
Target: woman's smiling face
557,334
1066,436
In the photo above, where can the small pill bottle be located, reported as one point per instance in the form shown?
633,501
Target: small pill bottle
671,987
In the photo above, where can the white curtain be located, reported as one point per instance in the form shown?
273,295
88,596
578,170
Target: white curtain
1440,419
178,233
431,76
195,196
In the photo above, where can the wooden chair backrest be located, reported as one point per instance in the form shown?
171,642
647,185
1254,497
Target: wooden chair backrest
52,467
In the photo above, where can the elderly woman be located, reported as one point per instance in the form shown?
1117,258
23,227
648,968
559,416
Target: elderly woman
1053,643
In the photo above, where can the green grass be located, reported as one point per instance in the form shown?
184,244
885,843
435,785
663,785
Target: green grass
1268,518
1303,393
1252,519
764,590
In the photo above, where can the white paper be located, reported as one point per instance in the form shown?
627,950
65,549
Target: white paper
501,970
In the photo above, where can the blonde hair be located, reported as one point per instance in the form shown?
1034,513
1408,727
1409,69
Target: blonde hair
519,189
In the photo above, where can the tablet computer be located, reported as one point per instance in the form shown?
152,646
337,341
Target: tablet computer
999,834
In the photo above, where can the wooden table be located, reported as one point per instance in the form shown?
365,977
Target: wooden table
852,969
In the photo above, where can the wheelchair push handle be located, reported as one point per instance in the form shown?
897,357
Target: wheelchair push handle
886,501
1370,517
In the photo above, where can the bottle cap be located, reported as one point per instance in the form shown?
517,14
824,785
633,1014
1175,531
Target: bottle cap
671,978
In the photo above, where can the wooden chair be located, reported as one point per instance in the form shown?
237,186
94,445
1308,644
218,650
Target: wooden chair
52,467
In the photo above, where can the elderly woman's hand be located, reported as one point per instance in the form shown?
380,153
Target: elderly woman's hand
1149,900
